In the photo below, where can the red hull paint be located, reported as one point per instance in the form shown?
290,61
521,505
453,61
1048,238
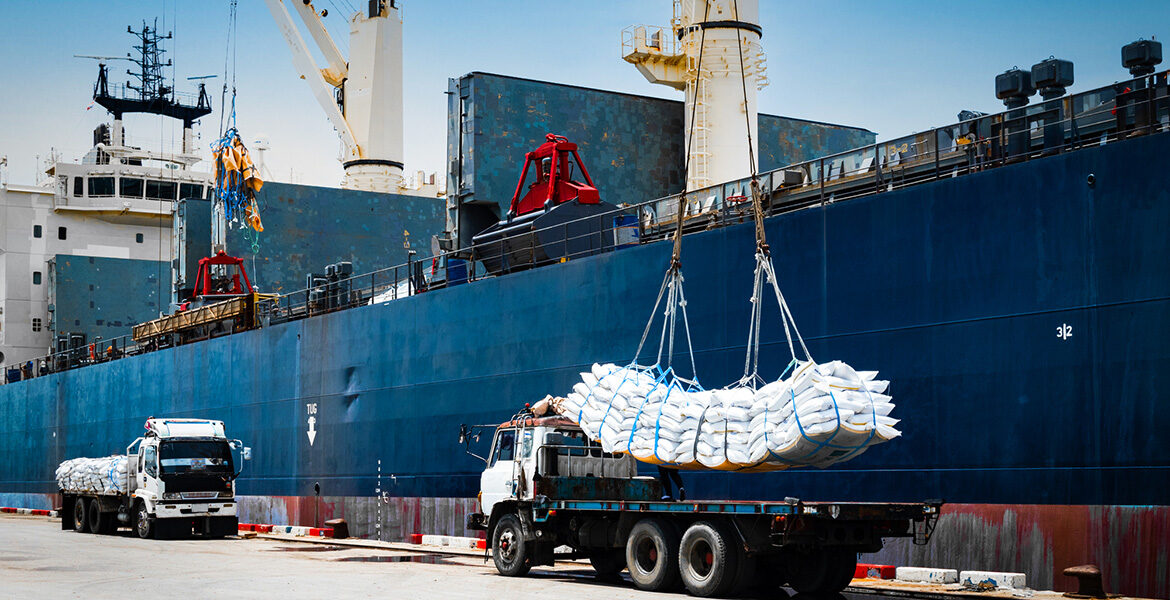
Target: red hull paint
1131,544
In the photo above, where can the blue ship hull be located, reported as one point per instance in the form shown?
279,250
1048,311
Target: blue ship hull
1021,314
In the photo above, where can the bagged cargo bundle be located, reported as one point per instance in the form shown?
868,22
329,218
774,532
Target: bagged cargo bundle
105,475
821,415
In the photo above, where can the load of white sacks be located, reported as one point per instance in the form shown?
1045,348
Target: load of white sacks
105,475
822,414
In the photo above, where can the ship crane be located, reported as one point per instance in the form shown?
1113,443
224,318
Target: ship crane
361,96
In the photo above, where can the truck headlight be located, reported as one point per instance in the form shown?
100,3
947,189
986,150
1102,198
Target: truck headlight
171,496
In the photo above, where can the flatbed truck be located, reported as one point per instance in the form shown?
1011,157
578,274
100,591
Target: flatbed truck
180,479
546,485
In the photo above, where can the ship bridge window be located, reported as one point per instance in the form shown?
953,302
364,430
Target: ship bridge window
36,231
36,277
101,187
130,187
190,190
62,233
78,187
160,190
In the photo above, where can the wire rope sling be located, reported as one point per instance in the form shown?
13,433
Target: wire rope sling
814,414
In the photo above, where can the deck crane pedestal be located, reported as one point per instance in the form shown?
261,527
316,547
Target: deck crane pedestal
712,52
361,95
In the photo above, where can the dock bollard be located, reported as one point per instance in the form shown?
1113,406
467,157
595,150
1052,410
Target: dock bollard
340,528
1090,584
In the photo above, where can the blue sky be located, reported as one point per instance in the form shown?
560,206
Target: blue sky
893,67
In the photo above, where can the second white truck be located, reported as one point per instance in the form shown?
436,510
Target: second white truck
177,479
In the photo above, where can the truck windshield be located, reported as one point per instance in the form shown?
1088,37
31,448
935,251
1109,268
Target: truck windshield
505,446
195,457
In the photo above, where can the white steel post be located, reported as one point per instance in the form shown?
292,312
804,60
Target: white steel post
373,99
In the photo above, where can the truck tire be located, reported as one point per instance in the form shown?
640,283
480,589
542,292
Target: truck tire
652,555
842,565
768,579
608,562
99,522
143,522
806,570
80,515
745,577
509,550
708,559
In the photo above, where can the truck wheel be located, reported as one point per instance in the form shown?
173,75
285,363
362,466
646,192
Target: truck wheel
97,520
652,555
708,559
806,569
767,579
842,565
745,578
143,523
80,517
608,563
509,551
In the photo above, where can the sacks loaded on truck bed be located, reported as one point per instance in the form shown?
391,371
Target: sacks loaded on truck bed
105,475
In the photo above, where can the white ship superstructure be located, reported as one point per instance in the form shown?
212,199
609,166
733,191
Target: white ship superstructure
118,202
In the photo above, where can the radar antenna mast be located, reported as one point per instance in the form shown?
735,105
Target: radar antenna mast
150,93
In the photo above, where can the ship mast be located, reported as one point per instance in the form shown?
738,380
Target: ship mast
150,94
712,53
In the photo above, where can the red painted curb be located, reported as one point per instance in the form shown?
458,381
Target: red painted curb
7,509
266,528
868,571
416,538
41,513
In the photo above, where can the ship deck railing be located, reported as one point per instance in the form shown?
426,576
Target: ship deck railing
1096,117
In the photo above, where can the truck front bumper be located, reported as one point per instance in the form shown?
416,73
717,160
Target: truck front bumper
166,509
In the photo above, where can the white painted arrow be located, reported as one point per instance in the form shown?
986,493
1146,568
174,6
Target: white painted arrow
312,430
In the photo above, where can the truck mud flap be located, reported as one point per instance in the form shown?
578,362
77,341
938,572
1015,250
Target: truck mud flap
218,526
66,512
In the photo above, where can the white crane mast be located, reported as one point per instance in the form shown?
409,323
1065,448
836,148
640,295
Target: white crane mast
368,87
712,52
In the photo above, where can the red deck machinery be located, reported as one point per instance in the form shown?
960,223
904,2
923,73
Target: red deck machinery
552,215
212,287
222,302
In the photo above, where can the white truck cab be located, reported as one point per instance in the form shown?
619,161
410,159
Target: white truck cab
185,468
525,451
180,478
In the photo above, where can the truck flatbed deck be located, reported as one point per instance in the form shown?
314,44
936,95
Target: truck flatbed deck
844,510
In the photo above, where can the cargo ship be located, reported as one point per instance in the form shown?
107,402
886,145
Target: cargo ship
1007,273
